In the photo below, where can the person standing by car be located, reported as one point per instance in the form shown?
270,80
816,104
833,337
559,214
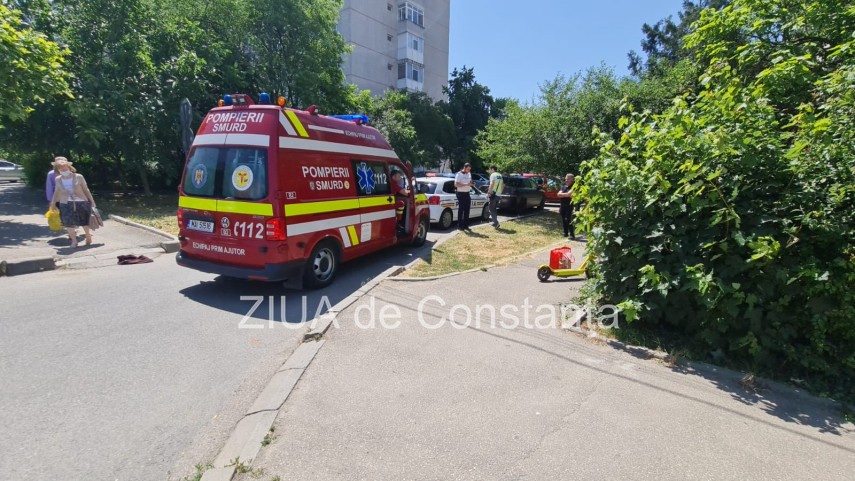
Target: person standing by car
463,183
75,200
494,193
566,208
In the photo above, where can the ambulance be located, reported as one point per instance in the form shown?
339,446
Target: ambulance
272,193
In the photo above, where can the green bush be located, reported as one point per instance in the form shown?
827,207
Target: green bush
730,216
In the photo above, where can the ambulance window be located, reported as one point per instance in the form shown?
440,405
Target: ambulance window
201,172
371,178
245,174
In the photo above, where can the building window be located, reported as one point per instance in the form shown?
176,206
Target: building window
415,42
408,11
389,37
389,7
389,66
411,71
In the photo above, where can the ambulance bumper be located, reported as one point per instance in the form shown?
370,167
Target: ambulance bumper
270,272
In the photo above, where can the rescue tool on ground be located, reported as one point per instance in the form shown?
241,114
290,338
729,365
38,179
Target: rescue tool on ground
273,193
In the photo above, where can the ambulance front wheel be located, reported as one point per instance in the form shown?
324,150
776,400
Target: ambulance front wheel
322,266
421,234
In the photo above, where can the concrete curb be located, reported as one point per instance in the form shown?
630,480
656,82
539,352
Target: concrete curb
246,440
169,246
30,265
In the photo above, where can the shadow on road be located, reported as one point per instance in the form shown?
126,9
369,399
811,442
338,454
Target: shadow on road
18,199
13,234
285,303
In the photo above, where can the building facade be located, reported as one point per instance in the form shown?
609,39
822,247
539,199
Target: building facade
397,44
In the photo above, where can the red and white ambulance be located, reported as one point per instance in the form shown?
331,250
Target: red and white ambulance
272,193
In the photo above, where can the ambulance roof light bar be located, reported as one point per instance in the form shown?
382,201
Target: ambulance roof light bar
238,100
358,119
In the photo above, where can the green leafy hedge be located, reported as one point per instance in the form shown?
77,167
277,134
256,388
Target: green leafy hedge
730,216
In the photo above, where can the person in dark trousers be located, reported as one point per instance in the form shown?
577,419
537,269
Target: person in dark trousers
566,209
463,183
494,193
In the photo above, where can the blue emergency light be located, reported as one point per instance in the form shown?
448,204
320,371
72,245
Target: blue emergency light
264,98
227,99
358,118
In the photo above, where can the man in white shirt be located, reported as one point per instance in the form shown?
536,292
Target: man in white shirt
463,183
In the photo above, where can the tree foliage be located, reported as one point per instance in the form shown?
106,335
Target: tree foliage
663,41
555,134
32,67
729,217
470,106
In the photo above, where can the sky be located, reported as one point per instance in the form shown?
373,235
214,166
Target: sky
514,46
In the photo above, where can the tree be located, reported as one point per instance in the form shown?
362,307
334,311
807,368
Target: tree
554,135
663,41
32,68
469,106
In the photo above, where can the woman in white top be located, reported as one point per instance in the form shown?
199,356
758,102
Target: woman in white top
75,200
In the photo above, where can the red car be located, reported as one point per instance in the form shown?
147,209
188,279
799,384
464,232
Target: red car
549,185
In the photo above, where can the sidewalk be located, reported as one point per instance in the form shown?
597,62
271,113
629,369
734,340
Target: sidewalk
27,245
473,402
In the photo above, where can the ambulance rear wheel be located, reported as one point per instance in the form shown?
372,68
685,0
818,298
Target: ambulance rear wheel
421,234
445,219
322,266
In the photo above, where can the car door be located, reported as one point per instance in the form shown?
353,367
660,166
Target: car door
7,170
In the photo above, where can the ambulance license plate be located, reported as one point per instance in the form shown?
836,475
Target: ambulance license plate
200,225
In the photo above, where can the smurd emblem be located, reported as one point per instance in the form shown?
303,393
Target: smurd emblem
224,222
366,178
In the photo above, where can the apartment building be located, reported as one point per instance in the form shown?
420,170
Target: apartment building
397,44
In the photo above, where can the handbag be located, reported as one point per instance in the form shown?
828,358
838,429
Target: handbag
95,220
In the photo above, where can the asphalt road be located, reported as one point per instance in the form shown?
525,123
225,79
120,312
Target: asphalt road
139,372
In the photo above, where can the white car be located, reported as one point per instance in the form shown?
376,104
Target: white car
443,201
11,172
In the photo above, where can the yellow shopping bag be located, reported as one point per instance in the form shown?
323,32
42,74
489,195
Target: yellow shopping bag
53,220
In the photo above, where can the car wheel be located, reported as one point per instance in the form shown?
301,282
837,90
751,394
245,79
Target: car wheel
521,207
485,213
542,203
421,234
322,265
445,219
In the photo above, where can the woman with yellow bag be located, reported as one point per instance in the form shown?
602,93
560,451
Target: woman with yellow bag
75,200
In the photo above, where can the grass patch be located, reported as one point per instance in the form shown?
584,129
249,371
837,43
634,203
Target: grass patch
485,245
156,211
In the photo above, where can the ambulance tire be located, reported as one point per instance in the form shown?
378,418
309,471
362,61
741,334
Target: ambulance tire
322,266
421,235
446,219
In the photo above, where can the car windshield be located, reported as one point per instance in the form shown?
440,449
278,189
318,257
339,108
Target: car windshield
426,187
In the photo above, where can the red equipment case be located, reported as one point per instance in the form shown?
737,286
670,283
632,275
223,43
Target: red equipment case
561,258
